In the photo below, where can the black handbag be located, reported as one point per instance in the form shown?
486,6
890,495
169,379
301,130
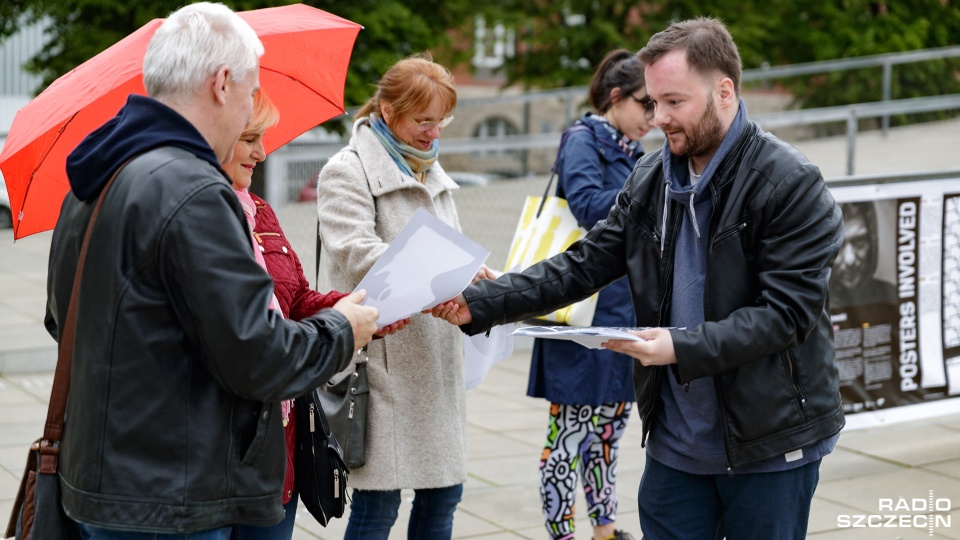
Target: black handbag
345,402
321,475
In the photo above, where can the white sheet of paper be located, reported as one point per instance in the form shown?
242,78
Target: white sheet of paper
429,262
589,336
481,352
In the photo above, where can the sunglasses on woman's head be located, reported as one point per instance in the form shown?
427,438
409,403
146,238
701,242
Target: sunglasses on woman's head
649,106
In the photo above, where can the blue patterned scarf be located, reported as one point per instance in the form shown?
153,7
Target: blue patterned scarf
410,160
625,143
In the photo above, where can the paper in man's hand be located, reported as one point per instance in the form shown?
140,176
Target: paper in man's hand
589,336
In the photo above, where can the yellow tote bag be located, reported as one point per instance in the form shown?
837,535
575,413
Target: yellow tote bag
545,230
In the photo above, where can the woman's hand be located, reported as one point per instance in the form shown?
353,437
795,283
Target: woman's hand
393,328
485,273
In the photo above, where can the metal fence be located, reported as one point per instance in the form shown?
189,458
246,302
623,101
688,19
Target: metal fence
489,213
515,134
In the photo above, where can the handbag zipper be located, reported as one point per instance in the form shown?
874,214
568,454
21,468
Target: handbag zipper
313,425
336,483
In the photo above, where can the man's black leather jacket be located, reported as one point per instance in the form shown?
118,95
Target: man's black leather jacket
173,415
768,341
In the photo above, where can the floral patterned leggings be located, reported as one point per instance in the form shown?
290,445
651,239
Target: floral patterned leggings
586,438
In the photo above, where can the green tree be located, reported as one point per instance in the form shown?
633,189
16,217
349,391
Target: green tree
853,28
560,43
393,29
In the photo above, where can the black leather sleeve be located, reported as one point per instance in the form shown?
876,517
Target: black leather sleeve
583,269
221,296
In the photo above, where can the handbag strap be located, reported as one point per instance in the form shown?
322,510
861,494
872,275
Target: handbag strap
53,428
556,162
316,271
546,192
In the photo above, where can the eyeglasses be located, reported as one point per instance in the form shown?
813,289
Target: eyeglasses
649,106
430,124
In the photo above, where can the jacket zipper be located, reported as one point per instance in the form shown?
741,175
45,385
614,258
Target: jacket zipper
668,275
730,232
258,235
313,429
647,416
795,380
723,426
714,222
658,370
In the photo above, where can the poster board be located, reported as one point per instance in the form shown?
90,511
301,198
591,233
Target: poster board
895,297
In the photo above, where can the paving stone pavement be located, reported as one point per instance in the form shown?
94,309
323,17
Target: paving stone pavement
505,430
905,461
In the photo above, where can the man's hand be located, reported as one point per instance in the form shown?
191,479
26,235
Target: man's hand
453,311
393,328
363,319
657,350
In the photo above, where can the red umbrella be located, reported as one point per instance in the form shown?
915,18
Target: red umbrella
303,70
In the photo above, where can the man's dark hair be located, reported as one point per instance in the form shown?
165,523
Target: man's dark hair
707,43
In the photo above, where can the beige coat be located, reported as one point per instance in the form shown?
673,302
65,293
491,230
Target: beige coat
416,423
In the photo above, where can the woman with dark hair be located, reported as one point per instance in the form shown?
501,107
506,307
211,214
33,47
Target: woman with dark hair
590,390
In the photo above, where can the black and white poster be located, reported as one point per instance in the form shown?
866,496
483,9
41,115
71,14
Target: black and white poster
895,295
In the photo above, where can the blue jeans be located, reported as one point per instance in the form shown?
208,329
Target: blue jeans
280,531
373,513
96,533
772,506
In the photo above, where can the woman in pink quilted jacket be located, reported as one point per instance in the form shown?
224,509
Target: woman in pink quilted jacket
293,296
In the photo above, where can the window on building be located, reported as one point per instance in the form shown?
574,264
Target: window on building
495,127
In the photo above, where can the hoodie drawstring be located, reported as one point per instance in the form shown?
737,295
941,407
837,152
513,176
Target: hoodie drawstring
693,214
666,210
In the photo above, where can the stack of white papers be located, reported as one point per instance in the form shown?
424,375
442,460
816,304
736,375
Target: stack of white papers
589,336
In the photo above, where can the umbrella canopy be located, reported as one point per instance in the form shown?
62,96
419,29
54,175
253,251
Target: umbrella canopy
303,69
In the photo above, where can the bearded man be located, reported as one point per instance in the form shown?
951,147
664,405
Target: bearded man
727,236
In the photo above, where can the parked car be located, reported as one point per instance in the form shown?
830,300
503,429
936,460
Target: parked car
6,216
469,178
308,193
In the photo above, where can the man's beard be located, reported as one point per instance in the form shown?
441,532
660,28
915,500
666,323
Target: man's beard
705,137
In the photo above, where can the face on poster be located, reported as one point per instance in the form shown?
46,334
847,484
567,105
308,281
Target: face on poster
891,300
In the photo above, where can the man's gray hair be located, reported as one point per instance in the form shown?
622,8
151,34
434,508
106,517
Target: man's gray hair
192,44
